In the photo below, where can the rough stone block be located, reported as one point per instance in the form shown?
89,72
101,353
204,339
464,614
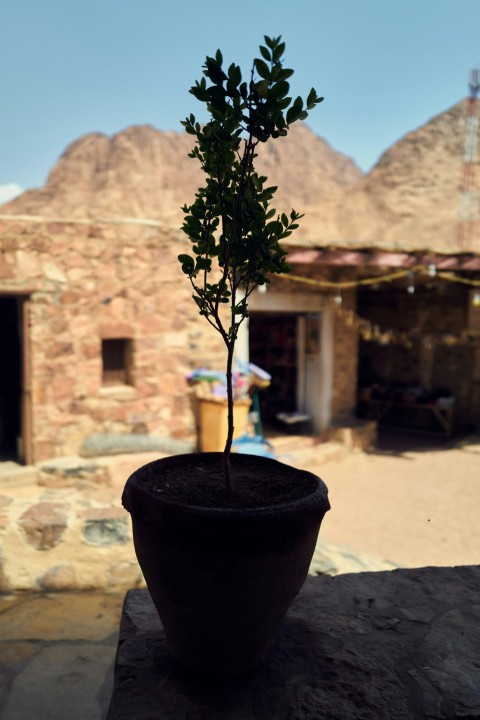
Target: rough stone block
59,578
72,471
125,574
368,646
114,444
106,531
44,524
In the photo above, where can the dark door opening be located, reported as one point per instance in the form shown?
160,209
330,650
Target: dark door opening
10,378
273,347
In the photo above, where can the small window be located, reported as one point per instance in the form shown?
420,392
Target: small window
116,362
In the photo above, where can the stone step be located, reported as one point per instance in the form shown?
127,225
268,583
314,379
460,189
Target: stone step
14,475
287,443
313,457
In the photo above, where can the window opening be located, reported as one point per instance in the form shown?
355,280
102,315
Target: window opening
116,361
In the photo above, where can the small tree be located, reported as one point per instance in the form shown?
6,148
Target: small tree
235,233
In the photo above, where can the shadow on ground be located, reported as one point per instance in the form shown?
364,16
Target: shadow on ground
394,442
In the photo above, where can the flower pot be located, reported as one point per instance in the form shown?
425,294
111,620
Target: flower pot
222,579
213,417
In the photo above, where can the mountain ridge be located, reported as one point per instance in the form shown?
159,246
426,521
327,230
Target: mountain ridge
409,200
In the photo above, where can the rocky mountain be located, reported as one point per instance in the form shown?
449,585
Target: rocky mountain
410,200
146,173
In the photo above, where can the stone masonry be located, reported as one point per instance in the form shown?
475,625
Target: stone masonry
76,536
87,283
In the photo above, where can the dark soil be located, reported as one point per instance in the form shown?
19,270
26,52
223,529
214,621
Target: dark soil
199,482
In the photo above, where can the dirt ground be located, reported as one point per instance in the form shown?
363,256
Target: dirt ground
414,504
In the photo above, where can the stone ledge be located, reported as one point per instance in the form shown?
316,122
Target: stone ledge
401,645
14,475
116,444
71,471
118,392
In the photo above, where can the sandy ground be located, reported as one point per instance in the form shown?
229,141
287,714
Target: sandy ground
415,508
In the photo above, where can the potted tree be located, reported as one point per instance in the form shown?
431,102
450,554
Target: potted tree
225,540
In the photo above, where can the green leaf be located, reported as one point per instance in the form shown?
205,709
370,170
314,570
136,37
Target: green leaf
265,53
311,99
261,88
274,227
262,69
280,89
189,130
293,114
188,264
214,71
284,74
278,52
234,75
240,310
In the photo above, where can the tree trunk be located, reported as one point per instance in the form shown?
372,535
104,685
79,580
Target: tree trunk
228,445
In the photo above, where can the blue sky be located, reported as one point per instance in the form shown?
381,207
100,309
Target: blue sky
70,67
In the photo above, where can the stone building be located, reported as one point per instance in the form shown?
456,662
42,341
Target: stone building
97,319
378,319
99,332
409,323
98,329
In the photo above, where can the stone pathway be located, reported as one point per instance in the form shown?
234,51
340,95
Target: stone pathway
56,655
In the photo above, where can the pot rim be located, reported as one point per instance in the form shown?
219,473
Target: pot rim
318,496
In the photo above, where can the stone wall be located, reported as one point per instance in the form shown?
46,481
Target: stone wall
434,345
101,281
66,528
88,283
345,368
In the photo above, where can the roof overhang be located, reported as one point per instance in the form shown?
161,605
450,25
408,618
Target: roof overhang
382,259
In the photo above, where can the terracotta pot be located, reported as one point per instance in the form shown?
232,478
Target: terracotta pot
222,579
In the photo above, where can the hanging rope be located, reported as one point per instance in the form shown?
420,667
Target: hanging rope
378,279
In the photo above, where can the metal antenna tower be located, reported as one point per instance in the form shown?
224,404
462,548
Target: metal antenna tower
468,222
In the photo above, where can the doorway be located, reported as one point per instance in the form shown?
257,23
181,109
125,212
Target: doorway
287,345
273,347
296,331
11,321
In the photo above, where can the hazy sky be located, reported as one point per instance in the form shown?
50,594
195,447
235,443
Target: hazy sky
70,67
